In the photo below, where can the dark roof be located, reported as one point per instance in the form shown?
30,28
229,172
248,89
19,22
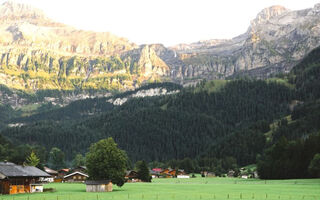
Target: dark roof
99,182
12,170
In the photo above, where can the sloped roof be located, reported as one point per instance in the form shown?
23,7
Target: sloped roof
83,174
12,170
50,171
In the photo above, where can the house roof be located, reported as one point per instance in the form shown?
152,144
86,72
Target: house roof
83,174
131,172
12,170
157,169
50,171
64,170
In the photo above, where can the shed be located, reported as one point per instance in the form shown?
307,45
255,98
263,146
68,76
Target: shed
75,177
98,186
16,179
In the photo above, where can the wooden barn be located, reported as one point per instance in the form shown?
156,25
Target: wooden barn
75,177
99,186
15,179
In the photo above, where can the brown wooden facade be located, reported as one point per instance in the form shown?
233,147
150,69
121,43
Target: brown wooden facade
16,179
76,177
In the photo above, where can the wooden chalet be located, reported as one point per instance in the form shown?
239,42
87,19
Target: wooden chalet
132,176
82,169
61,174
167,173
76,177
15,179
154,174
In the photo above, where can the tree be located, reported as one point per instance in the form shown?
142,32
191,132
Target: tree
187,164
78,160
143,171
33,160
56,158
105,161
314,167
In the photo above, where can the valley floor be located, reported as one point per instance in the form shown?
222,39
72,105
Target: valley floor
187,189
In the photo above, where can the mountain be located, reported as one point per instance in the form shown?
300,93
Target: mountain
254,117
276,40
37,53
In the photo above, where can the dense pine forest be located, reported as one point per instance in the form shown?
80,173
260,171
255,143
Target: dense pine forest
215,125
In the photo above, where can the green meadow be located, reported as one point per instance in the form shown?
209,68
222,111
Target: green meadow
184,189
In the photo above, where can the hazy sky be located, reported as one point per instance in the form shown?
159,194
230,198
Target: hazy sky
162,21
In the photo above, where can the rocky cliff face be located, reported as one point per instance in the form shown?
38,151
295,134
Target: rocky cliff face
275,41
37,53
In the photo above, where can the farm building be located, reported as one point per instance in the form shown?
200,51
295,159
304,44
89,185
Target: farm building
132,176
82,169
75,177
99,186
15,179
167,173
61,174
53,175
154,174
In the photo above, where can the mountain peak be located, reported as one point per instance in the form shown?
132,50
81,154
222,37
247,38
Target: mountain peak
268,13
11,10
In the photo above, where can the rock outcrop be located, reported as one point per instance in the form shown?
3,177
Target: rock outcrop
275,41
37,53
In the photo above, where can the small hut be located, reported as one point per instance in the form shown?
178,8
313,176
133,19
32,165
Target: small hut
98,186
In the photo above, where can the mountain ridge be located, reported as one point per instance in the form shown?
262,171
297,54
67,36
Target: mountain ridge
38,54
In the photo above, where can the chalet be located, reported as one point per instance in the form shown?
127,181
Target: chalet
75,177
157,170
15,179
166,173
154,174
173,172
98,186
61,174
53,175
181,172
82,169
132,176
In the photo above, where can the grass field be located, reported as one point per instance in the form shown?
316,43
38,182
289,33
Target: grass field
187,189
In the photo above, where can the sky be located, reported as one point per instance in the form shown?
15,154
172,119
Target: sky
168,22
